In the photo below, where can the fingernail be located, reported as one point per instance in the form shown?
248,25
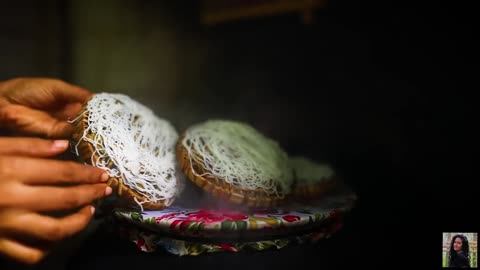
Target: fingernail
104,177
92,210
60,144
108,191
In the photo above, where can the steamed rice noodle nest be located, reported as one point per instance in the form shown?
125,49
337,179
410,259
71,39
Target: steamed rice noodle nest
234,162
312,179
136,148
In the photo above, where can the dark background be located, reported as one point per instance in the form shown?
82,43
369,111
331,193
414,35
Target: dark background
379,90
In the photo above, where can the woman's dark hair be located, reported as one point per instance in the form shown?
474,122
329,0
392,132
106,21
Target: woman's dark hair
465,247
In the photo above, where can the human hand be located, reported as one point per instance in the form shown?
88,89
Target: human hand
39,106
32,184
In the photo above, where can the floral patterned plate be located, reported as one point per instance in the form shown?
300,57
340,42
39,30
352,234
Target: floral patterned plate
197,224
148,241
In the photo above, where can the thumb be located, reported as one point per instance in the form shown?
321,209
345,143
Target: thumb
33,122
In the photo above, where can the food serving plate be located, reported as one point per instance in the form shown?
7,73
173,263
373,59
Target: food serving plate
191,231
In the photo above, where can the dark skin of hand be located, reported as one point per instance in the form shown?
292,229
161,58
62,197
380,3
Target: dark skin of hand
32,182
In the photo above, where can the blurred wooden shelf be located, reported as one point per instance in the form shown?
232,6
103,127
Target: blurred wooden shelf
218,11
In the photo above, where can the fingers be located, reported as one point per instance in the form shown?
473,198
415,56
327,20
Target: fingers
47,228
39,227
32,147
42,92
44,198
30,121
69,112
47,171
69,92
21,252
